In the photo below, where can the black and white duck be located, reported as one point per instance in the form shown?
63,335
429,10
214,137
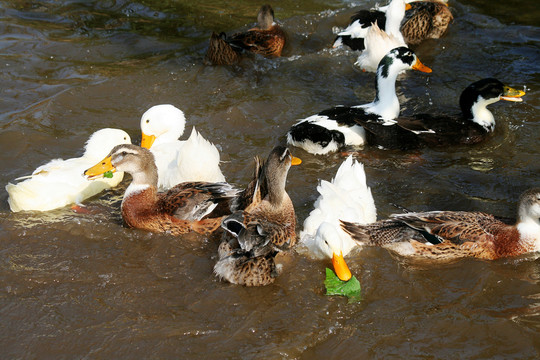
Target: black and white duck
389,20
339,126
472,126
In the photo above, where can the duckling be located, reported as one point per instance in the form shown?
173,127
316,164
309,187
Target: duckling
346,197
267,39
195,159
472,126
389,19
456,234
426,20
337,127
189,206
59,182
262,225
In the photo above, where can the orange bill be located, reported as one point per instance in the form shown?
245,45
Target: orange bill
421,67
340,267
100,168
511,94
295,161
147,140
408,6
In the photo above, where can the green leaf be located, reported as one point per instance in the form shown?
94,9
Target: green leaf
108,174
335,286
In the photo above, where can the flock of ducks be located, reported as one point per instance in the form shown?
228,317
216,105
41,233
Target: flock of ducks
178,187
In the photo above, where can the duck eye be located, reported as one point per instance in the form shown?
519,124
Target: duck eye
124,153
125,138
147,121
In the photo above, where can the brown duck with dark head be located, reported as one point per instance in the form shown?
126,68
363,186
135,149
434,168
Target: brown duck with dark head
189,206
262,225
266,39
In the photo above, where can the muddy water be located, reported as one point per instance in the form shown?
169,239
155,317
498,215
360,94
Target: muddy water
78,285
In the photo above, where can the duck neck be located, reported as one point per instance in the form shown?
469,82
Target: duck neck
144,180
386,103
394,16
479,113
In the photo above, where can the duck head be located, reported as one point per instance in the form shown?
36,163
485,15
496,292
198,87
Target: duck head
477,96
328,241
161,124
135,160
265,17
102,141
274,174
529,206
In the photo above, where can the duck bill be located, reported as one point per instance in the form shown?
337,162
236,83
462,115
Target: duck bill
340,267
408,6
295,161
511,94
421,67
100,168
147,140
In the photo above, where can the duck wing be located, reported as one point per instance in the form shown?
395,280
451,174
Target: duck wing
196,200
264,42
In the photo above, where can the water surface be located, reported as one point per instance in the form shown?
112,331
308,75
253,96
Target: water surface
82,286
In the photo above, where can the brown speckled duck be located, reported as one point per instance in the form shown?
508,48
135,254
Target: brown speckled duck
456,234
425,20
186,207
267,39
262,225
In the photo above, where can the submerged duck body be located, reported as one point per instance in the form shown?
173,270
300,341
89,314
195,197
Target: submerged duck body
59,182
192,206
337,127
194,159
346,197
262,225
456,234
267,39
472,126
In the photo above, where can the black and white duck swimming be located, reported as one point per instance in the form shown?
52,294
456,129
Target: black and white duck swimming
340,126
472,126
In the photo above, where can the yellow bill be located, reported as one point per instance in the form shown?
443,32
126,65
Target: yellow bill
100,168
511,94
147,140
340,267
421,67
295,161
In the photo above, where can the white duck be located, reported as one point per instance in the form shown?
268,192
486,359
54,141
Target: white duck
347,196
60,182
377,44
195,159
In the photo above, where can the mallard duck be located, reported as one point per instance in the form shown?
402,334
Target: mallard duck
389,19
194,159
267,39
377,44
473,125
346,197
426,20
337,127
59,182
456,234
189,206
262,225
